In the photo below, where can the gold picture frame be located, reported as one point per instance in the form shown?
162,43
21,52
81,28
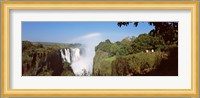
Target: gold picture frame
5,44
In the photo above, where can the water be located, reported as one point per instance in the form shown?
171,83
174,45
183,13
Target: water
80,62
81,59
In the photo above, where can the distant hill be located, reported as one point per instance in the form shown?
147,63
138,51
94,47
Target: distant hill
61,45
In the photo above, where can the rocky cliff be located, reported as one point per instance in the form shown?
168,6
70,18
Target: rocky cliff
39,60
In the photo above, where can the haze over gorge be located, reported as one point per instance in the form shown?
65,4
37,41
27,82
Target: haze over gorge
81,58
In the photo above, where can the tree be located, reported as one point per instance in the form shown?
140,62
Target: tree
142,43
158,44
120,67
114,49
146,42
40,46
104,46
126,40
168,31
26,45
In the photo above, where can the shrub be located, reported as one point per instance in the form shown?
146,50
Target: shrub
102,64
136,64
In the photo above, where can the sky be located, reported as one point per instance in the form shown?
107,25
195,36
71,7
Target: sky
71,32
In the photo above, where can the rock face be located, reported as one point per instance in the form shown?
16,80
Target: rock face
47,59
102,64
45,64
40,60
52,63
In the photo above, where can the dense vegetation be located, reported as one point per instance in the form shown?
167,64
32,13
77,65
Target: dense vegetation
154,53
44,59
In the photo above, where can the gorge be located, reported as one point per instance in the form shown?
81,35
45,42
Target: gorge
105,59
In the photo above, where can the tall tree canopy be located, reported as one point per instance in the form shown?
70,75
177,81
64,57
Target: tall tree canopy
165,30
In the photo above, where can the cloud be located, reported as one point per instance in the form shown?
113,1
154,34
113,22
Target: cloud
87,36
91,35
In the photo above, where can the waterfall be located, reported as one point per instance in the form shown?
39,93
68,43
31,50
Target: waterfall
67,55
62,55
79,61
75,54
70,55
83,62
76,60
82,57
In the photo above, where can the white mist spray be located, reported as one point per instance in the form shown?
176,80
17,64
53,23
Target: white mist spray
85,61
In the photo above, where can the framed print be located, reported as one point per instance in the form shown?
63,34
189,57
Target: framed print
100,49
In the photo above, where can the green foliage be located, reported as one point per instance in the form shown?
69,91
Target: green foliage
117,48
39,46
67,70
146,42
159,44
142,42
104,46
26,45
168,31
100,55
26,58
102,64
136,64
124,57
53,44
67,73
43,59
121,48
119,67
129,56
